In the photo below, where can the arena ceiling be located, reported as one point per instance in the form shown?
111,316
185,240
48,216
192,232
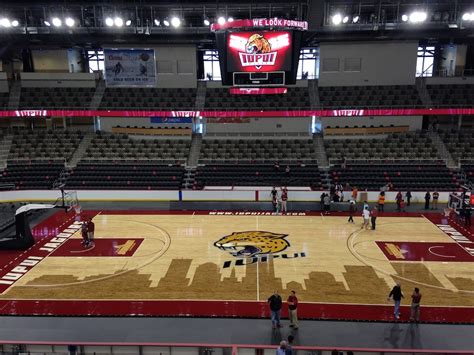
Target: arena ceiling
144,21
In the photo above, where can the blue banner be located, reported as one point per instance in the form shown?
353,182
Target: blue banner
130,67
171,120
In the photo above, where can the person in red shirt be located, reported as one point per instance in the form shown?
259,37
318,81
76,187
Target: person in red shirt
402,205
292,309
415,305
373,216
398,199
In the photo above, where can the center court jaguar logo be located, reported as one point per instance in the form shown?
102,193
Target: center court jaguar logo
258,52
253,246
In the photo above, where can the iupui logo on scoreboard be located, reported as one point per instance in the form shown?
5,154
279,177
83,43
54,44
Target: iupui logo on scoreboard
31,113
258,52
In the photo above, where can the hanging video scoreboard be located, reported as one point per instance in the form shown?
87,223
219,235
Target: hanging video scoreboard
260,52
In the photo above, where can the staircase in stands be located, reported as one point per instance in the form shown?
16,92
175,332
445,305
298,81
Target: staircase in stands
195,150
313,94
15,93
80,151
201,95
423,92
320,153
98,95
443,151
5,145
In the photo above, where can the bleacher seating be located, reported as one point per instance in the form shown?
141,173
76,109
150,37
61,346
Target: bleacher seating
56,98
35,175
45,145
369,96
4,97
262,150
402,175
408,146
459,143
257,175
149,98
122,175
469,170
122,147
452,95
152,131
295,98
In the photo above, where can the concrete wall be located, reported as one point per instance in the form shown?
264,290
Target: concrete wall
352,64
54,60
263,125
414,122
58,80
449,80
225,194
3,82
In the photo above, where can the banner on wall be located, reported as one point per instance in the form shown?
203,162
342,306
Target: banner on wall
171,120
130,67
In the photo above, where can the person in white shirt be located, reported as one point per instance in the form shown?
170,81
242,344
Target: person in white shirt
366,216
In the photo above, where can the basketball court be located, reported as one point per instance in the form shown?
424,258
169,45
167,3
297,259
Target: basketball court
229,263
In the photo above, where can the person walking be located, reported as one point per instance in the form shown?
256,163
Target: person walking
366,217
396,294
415,305
352,209
427,200
327,204
381,201
292,309
275,302
408,197
373,216
398,198
434,204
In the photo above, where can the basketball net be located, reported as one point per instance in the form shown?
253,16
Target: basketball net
71,201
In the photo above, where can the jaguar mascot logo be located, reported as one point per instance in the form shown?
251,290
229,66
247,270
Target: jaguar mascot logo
253,243
257,44
258,52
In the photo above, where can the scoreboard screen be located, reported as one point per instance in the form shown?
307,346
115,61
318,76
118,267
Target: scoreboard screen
259,51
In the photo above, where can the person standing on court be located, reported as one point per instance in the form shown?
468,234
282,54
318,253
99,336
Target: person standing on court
381,201
327,204
284,198
355,192
373,216
427,200
90,230
366,217
467,216
352,209
408,197
275,302
434,205
415,305
292,309
397,295
289,345
282,348
398,198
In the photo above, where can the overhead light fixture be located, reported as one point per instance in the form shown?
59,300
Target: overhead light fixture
118,21
47,23
336,19
418,17
468,16
230,19
206,22
109,21
56,21
452,25
355,19
345,19
166,22
15,23
404,17
69,21
128,23
175,22
4,22
156,22
221,20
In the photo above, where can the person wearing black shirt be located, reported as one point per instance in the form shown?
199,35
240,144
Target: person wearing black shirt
275,302
397,295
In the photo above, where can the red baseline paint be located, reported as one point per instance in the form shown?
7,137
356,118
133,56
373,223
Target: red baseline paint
102,247
421,251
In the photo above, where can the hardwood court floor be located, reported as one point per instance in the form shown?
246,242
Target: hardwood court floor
324,259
